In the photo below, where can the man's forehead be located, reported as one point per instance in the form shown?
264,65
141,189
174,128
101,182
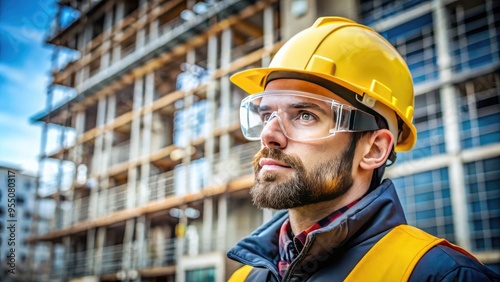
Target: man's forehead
288,99
304,86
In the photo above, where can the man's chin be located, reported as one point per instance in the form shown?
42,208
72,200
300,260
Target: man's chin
273,176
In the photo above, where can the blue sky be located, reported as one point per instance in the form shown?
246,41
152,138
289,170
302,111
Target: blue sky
24,77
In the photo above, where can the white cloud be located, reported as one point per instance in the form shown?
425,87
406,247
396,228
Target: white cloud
12,73
20,143
24,33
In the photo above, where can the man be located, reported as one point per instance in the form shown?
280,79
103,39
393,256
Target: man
330,110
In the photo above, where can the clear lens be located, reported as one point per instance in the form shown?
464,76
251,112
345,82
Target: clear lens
300,116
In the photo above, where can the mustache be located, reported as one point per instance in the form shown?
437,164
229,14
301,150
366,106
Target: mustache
276,154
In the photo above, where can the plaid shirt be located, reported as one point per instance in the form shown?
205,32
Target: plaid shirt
290,246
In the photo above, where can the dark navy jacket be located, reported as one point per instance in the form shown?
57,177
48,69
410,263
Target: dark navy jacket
330,253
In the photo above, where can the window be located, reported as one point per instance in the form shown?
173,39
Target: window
429,123
376,10
474,33
190,123
20,200
482,180
480,111
27,185
426,201
415,42
201,274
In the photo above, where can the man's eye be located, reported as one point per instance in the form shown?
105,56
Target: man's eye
306,116
265,116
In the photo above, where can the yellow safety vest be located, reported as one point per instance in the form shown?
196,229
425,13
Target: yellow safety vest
382,262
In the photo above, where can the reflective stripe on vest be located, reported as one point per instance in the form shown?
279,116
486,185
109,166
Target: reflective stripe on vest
241,274
394,257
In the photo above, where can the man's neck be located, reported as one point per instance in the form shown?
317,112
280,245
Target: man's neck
304,217
301,218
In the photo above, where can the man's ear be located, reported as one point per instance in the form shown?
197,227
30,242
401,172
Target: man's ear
378,147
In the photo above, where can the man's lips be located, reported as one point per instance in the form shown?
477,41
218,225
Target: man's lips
272,163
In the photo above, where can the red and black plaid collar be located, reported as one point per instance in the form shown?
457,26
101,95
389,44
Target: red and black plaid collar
290,246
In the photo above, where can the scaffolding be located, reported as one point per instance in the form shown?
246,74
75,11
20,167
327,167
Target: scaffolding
149,127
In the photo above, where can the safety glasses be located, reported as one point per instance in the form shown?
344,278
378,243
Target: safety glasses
301,116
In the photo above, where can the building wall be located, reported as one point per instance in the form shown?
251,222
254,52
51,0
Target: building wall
155,137
17,198
449,181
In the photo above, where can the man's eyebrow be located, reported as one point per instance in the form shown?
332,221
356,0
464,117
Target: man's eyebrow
305,105
299,105
263,108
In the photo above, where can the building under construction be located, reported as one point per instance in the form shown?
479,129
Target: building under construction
158,178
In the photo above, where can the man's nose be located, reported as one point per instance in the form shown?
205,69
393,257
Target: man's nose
272,135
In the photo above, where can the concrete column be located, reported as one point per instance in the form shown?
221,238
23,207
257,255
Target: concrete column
106,45
97,160
106,56
108,20
268,35
80,46
91,238
107,143
67,250
119,13
269,27
225,92
100,242
188,104
154,29
211,104
147,121
451,126
208,214
222,222
128,244
79,129
135,134
140,247
87,37
141,33
136,120
341,8
108,135
51,259
97,166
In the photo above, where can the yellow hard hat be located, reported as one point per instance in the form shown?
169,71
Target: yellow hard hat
352,56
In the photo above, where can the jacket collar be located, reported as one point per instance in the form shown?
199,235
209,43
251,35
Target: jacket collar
376,213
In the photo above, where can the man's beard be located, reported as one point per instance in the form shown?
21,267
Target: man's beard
326,181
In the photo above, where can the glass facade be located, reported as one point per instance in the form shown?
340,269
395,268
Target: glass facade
472,42
475,33
480,111
190,123
415,42
483,198
201,274
429,123
426,201
375,10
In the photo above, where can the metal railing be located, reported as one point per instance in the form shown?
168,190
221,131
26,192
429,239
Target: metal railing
78,264
112,200
111,259
161,186
159,252
81,209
